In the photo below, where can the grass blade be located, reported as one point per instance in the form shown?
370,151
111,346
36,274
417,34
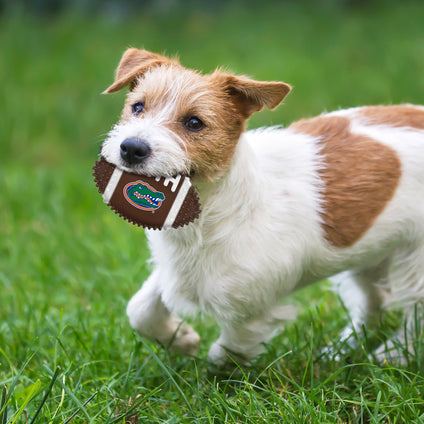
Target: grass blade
46,395
171,377
34,388
79,409
15,381
3,407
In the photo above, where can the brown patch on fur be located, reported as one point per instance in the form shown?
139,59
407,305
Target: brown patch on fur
211,149
360,177
251,96
396,116
134,63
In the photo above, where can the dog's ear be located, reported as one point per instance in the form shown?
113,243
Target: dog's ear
135,62
251,96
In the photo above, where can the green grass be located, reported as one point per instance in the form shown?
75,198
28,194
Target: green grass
68,265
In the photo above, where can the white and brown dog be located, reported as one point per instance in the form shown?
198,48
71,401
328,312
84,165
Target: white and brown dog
342,193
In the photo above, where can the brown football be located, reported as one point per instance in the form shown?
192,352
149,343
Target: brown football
156,203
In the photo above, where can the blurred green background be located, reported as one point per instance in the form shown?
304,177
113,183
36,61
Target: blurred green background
68,265
335,54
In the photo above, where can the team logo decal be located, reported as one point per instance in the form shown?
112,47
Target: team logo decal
143,196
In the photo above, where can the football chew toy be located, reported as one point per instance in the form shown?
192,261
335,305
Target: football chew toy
157,203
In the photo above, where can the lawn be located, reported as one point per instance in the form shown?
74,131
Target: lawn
68,265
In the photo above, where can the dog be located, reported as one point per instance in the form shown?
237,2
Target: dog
337,195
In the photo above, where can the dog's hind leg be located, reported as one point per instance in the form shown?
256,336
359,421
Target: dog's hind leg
406,292
151,318
362,294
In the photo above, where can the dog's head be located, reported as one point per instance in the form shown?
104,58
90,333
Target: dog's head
177,121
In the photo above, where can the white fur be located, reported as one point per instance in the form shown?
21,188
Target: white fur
259,238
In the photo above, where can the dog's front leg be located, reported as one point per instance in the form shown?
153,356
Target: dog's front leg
235,344
152,319
241,341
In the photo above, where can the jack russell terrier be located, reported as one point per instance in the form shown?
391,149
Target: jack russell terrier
338,195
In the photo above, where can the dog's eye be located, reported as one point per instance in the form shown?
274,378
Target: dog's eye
137,108
193,123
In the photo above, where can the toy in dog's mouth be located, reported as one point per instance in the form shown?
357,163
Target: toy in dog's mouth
156,203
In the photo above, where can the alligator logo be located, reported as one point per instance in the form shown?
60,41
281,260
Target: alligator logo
143,196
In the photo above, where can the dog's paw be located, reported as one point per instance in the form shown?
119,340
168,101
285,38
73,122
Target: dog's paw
220,357
217,355
186,340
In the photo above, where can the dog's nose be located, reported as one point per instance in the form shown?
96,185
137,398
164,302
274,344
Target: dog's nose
134,150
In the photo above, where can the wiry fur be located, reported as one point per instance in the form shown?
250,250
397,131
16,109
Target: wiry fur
261,234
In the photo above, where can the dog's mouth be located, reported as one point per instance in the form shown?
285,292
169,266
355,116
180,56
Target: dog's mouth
146,172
